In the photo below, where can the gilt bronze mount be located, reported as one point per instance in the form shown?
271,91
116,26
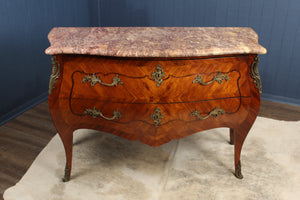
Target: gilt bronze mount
215,113
255,74
97,113
54,74
96,79
218,78
158,75
157,116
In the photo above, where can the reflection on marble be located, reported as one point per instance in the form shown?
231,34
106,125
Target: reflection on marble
154,41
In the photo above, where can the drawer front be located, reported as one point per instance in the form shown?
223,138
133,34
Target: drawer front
155,115
155,124
194,95
122,88
164,81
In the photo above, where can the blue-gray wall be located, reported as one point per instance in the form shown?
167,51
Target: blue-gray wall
24,25
24,67
277,23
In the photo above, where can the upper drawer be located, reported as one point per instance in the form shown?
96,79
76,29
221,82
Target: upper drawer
140,81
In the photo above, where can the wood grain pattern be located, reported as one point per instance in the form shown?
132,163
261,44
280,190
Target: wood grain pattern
136,74
173,88
139,95
150,94
176,123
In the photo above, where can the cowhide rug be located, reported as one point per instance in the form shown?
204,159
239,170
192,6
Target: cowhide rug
106,167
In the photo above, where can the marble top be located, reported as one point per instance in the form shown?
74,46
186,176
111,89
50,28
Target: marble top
154,41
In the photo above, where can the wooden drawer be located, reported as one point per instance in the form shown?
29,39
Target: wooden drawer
153,114
154,81
153,123
122,88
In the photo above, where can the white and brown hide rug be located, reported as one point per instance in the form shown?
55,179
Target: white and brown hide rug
106,167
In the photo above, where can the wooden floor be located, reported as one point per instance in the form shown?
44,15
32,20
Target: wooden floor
22,139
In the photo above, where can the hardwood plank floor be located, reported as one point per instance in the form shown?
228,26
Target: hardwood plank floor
22,138
279,111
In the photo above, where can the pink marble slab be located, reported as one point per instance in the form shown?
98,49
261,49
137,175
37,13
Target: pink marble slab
154,41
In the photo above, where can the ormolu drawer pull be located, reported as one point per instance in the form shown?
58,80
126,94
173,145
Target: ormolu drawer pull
156,117
96,79
97,113
158,75
215,113
219,78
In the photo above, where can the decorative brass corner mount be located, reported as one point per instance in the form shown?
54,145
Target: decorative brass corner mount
158,75
255,74
54,74
215,113
218,78
157,116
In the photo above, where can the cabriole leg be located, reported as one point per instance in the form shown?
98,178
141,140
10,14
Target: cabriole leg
239,138
231,136
67,139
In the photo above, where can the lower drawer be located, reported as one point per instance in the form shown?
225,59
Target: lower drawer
152,124
153,114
